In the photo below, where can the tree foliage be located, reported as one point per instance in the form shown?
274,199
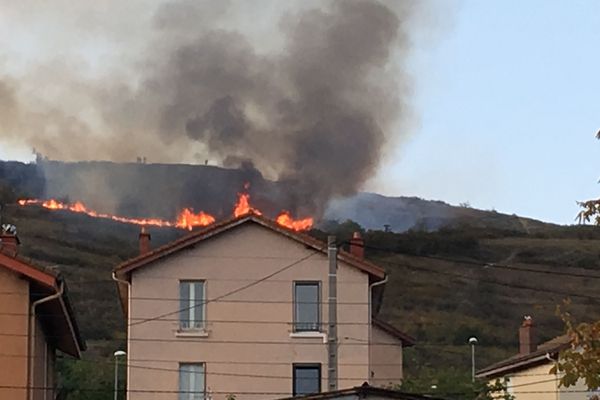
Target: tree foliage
455,384
590,208
581,361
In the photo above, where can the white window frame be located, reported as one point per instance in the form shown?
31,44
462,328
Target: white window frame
189,394
190,308
295,323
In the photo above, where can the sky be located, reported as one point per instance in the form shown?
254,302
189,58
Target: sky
505,104
508,106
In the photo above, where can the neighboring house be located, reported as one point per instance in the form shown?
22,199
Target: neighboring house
363,392
36,319
527,374
241,307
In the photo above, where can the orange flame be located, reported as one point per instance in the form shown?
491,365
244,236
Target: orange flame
285,219
188,220
243,207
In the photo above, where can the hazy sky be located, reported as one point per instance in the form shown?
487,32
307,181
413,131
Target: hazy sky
509,103
506,100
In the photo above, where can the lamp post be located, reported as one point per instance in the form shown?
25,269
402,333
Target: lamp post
117,354
472,342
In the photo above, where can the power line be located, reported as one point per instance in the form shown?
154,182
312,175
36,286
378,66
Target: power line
493,282
240,289
218,362
488,264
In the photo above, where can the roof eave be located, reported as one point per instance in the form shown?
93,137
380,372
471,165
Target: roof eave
126,267
516,366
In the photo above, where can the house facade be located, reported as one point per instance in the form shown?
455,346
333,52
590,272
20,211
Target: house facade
527,375
36,320
364,391
241,308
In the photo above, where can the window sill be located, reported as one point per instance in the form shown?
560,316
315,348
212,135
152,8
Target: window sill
309,335
201,333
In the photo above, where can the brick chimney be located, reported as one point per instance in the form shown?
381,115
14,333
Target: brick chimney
144,240
357,245
9,244
527,336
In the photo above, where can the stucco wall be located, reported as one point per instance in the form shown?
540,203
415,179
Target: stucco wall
14,299
235,363
43,379
386,359
535,384
538,384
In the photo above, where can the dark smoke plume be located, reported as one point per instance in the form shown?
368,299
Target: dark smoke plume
314,114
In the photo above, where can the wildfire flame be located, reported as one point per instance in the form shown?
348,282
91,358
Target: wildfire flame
186,219
243,207
285,219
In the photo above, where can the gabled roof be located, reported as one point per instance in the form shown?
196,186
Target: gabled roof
364,391
215,229
406,339
520,362
58,314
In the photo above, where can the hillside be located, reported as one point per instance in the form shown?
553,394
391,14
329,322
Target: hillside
162,190
439,301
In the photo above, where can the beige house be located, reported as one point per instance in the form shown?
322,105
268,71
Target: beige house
364,391
241,308
527,374
36,320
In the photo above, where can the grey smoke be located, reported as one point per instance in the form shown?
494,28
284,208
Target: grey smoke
315,113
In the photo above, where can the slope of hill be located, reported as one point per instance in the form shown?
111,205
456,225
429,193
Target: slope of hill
161,190
440,289
374,211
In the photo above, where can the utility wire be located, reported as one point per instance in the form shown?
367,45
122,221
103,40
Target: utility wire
484,264
240,289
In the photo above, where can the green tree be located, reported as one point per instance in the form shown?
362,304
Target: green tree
455,384
590,208
86,380
581,361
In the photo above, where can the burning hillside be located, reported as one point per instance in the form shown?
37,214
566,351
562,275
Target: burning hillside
186,218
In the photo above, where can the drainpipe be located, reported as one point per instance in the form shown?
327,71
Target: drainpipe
31,338
118,280
371,286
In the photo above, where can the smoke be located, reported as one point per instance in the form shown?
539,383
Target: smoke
313,108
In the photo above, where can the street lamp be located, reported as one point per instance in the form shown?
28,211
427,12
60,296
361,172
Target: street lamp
117,354
473,342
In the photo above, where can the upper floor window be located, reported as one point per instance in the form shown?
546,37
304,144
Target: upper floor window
191,305
307,306
307,379
191,382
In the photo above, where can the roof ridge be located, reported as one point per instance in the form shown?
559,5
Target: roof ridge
214,229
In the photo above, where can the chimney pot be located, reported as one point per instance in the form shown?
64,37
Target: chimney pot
357,245
9,244
144,240
527,336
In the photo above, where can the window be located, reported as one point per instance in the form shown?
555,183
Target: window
191,304
307,305
191,381
307,379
